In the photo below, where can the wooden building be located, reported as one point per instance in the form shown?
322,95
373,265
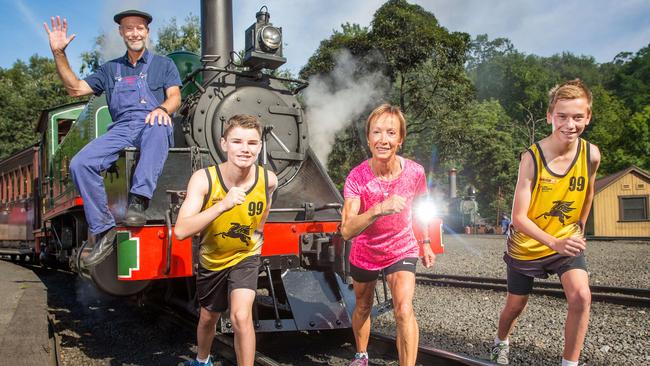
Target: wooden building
620,208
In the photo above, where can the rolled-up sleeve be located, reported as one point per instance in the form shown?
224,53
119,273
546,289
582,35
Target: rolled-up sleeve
172,78
98,80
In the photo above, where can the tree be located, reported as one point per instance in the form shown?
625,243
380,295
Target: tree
351,37
26,89
632,81
186,38
490,165
482,50
92,60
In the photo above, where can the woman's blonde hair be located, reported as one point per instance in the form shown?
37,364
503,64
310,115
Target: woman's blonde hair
393,110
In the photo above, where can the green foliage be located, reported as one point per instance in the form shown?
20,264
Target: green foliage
92,60
187,37
482,50
352,37
26,89
405,33
632,81
490,165
346,154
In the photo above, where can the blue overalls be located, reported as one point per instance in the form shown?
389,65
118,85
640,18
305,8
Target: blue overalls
131,102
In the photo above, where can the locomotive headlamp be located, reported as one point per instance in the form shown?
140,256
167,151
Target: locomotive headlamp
425,210
271,37
263,48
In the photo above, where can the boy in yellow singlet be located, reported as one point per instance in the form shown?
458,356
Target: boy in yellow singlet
228,204
552,200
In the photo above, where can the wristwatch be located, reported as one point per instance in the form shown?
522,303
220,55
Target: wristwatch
162,109
425,241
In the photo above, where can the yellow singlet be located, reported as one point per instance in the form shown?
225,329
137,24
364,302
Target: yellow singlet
233,236
555,205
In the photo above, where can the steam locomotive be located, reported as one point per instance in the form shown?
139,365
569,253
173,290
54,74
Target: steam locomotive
302,283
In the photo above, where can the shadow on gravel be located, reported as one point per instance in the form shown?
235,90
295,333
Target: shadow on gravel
97,329
334,347
480,348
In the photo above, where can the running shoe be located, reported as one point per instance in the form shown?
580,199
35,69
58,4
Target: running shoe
363,361
499,353
194,362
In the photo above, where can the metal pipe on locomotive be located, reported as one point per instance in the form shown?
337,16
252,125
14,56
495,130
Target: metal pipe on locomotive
302,283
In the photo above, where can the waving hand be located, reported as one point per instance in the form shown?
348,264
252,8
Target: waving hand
58,36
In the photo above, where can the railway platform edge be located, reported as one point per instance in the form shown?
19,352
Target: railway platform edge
24,331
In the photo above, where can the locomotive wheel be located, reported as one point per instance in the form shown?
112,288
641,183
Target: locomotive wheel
104,276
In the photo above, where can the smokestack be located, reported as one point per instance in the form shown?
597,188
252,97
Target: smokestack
216,33
452,183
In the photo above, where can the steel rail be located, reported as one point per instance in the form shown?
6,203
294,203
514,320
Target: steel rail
427,355
227,350
55,342
638,292
595,296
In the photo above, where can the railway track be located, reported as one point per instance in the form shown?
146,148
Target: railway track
385,345
610,294
225,344
55,342
381,345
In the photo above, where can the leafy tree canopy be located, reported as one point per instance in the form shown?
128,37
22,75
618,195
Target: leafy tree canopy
26,89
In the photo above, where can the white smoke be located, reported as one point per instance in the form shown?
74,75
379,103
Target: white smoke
337,99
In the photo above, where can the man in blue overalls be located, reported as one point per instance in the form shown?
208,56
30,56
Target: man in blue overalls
142,91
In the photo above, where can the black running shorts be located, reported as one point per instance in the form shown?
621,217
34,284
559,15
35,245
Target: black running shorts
214,287
521,274
364,275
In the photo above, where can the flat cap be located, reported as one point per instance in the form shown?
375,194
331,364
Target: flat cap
132,13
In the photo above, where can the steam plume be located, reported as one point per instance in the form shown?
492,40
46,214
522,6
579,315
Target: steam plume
337,99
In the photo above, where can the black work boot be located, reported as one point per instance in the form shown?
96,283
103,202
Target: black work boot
104,245
135,213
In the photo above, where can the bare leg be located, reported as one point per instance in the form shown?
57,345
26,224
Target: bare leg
515,304
578,294
402,288
241,316
205,332
363,292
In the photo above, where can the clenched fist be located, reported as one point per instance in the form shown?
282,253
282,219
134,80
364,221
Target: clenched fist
392,205
235,196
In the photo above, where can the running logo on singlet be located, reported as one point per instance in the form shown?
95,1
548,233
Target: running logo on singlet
560,210
237,231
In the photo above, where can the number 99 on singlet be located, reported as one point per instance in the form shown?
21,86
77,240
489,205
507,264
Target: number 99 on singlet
255,208
577,184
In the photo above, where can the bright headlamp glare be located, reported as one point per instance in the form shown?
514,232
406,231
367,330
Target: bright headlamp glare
425,210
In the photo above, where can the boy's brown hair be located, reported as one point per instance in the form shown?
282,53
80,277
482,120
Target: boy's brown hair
243,121
572,89
387,108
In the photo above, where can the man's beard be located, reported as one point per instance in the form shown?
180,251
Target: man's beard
135,49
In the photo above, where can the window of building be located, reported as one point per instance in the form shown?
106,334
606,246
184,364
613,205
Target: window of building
633,208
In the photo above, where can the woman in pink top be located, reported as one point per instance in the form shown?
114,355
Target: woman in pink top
379,194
